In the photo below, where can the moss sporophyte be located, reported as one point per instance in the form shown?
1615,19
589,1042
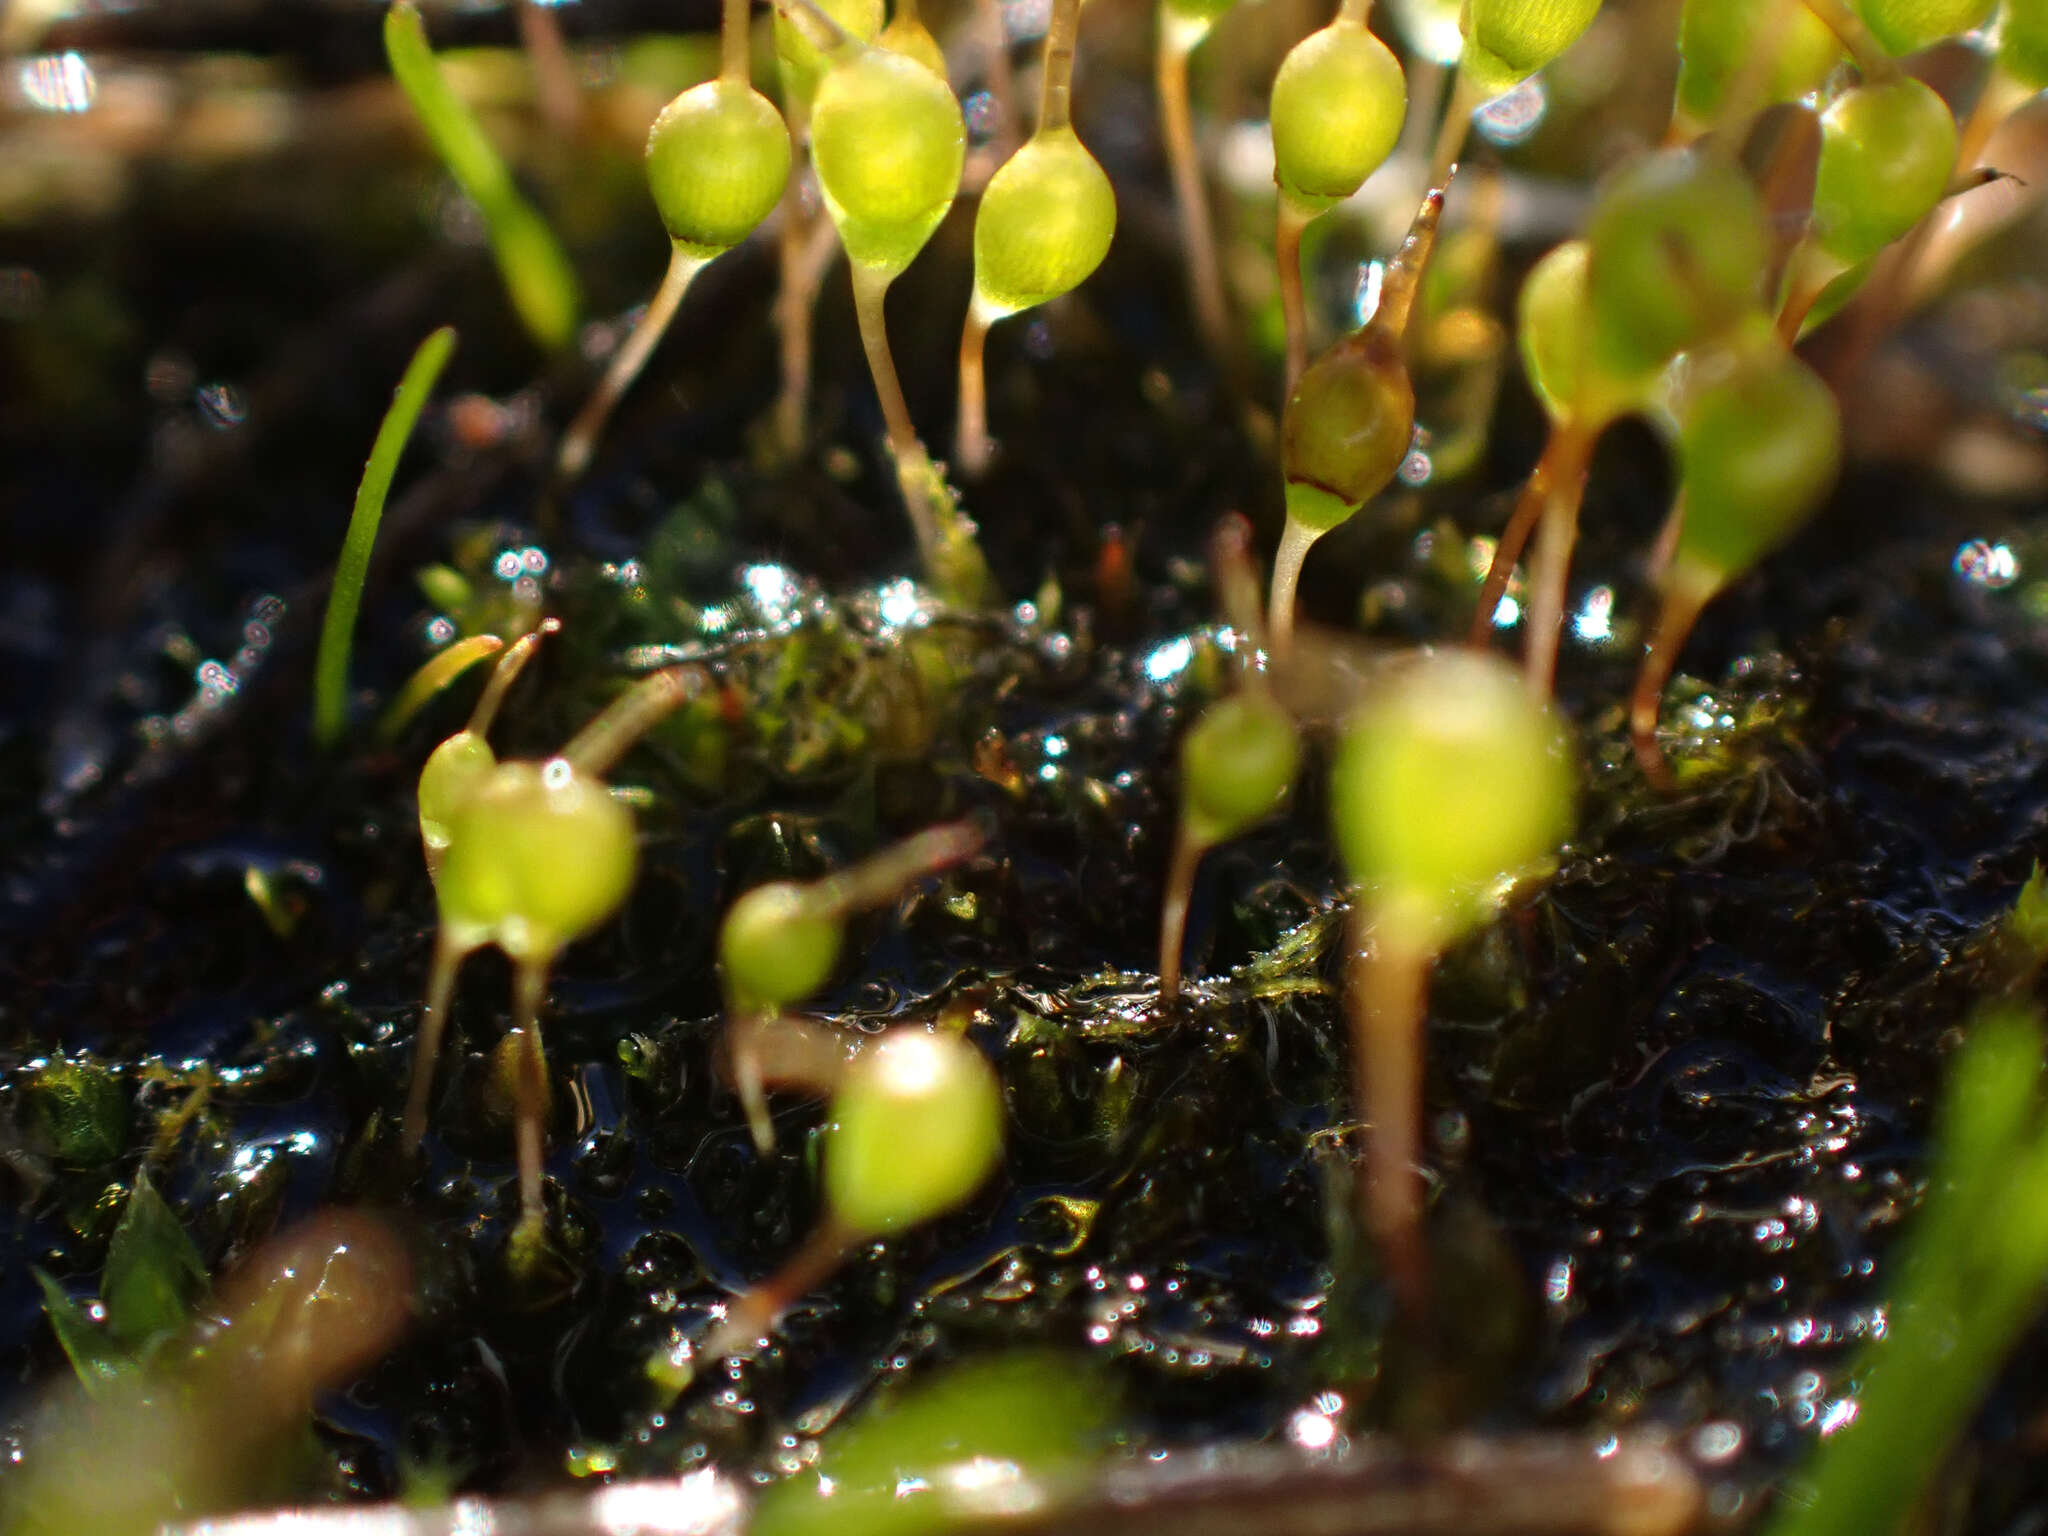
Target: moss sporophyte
1417,789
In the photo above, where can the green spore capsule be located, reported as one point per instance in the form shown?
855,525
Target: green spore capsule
453,773
1551,327
1506,41
1450,782
1791,50
1195,13
1886,154
1907,26
889,143
1758,450
1677,249
917,1125
1046,221
1237,765
1338,103
777,946
717,162
1346,429
538,856
2023,43
803,63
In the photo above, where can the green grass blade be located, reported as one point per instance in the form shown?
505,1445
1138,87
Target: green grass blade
337,632
537,275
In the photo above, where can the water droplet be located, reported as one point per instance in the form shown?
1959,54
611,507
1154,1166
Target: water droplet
1984,564
1512,118
58,82
221,404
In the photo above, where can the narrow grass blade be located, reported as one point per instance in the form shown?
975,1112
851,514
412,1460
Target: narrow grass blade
441,669
537,275
337,632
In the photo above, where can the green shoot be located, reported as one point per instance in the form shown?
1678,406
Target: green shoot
1338,104
916,1127
718,159
1450,783
780,941
1348,423
537,275
1969,1282
1045,223
1760,441
1182,26
337,630
536,856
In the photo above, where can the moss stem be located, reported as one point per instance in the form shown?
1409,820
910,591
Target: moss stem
554,73
594,749
580,441
972,449
754,1314
735,44
1385,995
1465,99
448,957
913,466
1684,597
1296,539
1056,92
1557,533
530,1088
1177,39
998,76
1289,223
1173,909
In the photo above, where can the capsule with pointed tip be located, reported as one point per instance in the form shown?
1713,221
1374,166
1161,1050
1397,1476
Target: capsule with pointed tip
889,141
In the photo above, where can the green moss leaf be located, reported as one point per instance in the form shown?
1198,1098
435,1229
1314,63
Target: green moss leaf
154,1273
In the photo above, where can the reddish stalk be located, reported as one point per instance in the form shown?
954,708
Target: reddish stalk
1386,994
1177,39
1684,597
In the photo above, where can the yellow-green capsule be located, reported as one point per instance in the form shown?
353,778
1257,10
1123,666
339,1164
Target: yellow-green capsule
1450,781
802,62
1237,765
917,1125
1045,222
717,162
1887,151
777,946
889,142
1506,41
1337,107
1907,26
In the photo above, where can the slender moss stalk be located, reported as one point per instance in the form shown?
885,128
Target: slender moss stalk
554,73
1466,98
1676,616
529,1095
1296,540
1558,532
537,275
1387,993
337,631
581,438
914,472
1178,37
439,670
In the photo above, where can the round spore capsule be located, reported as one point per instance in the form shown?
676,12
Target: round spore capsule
717,163
1237,764
452,773
1759,447
1676,250
537,857
889,142
1346,429
1506,41
1337,108
1719,40
1907,26
1886,154
777,947
1450,779
2023,42
1045,223
917,1124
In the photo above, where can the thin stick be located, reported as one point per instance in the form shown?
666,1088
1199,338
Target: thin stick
1554,543
345,599
768,1047
505,674
448,957
878,879
1177,39
1296,539
913,466
972,448
1680,610
530,1090
1466,98
627,718
754,1314
735,44
1056,91
997,75
581,439
1385,995
561,101
1289,222
1173,910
